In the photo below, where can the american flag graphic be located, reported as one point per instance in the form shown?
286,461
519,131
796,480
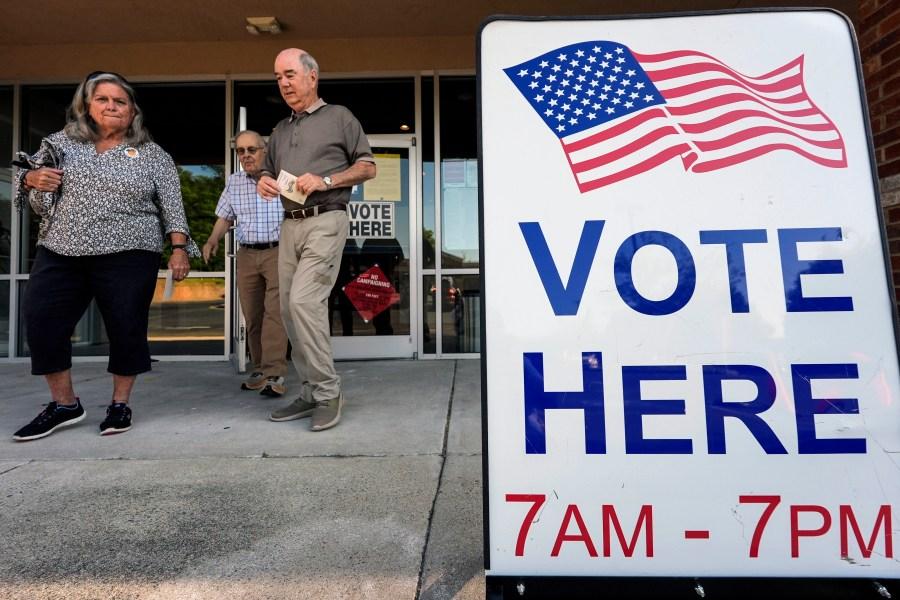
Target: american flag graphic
618,113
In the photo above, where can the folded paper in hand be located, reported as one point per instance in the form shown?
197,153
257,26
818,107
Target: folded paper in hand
288,185
169,286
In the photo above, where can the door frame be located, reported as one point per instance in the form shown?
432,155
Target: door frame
235,325
394,346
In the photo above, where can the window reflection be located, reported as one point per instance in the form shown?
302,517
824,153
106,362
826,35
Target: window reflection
5,218
429,316
428,219
459,218
428,237
194,139
459,173
188,317
201,186
4,318
394,107
460,313
6,143
43,112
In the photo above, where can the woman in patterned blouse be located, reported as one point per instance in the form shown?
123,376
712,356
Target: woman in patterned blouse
107,197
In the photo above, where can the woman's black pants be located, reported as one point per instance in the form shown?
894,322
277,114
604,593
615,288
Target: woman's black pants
61,288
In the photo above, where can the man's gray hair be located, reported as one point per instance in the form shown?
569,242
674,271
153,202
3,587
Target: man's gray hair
309,63
259,137
82,128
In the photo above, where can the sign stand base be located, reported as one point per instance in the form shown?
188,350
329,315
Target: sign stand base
712,588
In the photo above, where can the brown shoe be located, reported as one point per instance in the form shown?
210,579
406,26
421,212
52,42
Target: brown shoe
327,414
255,381
274,387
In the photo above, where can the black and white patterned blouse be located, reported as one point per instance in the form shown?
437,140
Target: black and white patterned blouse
126,198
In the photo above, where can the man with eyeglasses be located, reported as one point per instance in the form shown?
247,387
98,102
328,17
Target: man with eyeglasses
258,229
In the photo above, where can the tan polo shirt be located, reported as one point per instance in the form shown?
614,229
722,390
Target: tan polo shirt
322,140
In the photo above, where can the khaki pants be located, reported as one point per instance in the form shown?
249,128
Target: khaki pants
257,283
308,262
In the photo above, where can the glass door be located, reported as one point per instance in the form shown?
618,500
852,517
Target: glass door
373,307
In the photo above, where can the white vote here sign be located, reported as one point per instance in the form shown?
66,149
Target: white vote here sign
691,365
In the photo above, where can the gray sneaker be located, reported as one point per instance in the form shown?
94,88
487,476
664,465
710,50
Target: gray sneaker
327,414
255,381
298,409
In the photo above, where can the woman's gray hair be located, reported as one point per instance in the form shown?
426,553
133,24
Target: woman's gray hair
82,128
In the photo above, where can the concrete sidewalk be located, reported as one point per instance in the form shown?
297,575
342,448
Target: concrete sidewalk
206,498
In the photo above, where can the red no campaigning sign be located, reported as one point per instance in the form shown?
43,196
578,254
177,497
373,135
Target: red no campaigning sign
371,293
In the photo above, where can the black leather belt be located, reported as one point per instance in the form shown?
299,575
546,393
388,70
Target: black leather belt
263,246
312,211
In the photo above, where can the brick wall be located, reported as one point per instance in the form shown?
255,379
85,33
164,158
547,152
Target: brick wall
890,202
879,41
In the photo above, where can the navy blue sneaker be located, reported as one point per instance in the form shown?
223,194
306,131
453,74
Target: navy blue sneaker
51,418
118,419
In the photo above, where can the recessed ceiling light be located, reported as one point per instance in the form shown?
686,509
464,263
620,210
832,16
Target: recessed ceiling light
257,25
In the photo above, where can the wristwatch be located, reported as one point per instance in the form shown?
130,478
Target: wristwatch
179,247
328,182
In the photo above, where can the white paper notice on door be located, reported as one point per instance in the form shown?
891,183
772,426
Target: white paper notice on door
287,183
386,187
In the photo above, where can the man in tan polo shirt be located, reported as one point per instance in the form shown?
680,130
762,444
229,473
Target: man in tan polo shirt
324,146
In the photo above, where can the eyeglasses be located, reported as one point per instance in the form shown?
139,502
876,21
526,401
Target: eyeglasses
248,150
